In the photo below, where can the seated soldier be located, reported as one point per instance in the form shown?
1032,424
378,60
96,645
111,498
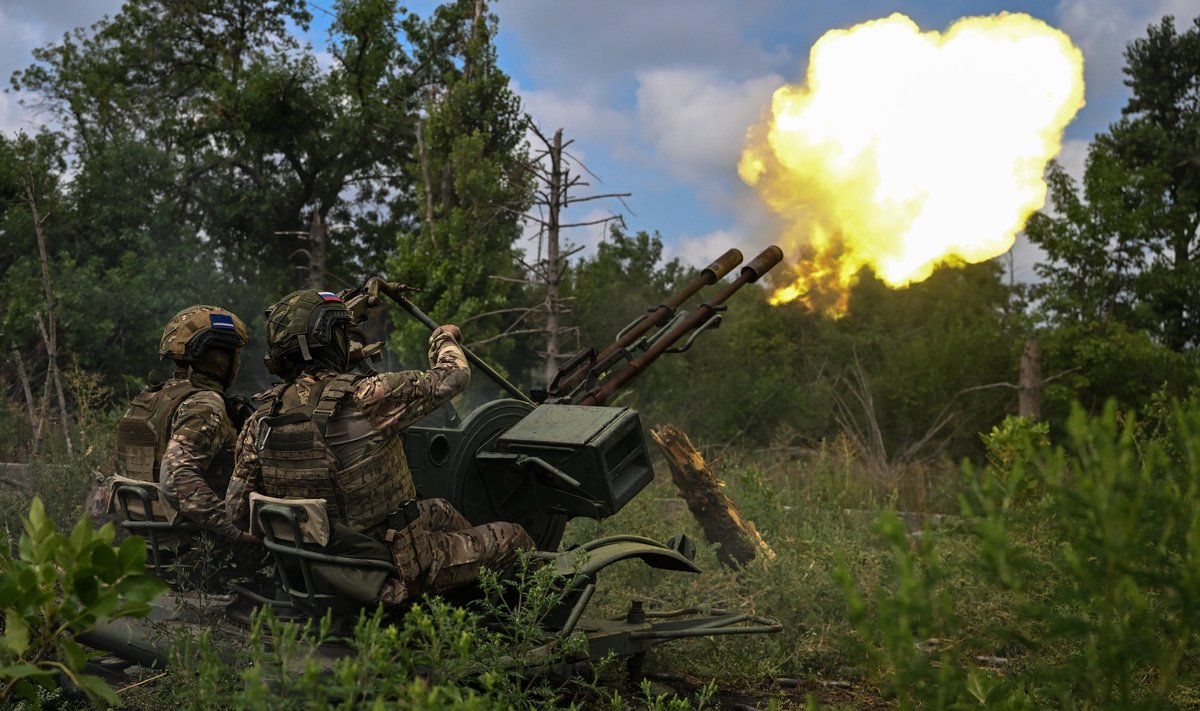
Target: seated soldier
180,434
333,434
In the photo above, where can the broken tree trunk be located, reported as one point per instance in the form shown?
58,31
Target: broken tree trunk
1029,388
712,507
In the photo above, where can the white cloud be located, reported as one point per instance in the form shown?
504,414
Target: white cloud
1102,29
596,47
702,250
696,121
753,227
584,119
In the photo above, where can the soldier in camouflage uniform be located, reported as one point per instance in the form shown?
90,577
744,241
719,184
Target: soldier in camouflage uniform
181,433
332,434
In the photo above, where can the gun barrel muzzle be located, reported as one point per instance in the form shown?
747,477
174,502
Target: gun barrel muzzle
763,263
722,265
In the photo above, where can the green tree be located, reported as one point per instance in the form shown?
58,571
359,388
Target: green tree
208,145
922,352
1127,249
472,180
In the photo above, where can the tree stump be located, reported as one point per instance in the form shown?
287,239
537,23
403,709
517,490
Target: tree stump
718,516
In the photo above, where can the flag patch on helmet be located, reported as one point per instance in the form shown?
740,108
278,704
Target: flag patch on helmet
222,322
329,296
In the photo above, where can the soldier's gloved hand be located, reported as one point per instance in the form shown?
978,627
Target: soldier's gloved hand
247,537
239,409
454,332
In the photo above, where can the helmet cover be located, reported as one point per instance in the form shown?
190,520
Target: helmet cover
193,330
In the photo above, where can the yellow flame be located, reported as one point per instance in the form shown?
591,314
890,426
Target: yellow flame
908,149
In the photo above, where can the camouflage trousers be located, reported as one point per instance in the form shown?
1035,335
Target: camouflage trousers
459,551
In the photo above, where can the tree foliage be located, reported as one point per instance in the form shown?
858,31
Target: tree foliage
1126,249
471,178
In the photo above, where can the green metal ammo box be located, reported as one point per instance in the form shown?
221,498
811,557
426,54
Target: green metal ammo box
601,448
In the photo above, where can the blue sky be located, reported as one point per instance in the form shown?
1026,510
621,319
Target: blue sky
657,94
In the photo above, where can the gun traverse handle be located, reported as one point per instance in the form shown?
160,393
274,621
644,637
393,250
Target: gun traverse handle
395,292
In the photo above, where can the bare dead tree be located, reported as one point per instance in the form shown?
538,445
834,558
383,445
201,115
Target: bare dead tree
553,267
1030,380
553,168
317,252
32,186
1029,385
54,382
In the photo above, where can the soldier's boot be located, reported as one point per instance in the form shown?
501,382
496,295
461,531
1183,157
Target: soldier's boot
393,592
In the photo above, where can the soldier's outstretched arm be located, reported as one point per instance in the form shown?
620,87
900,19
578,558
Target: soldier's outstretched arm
393,401
199,430
247,476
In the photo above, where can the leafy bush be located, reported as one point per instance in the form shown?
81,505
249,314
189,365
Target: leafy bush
1094,547
59,586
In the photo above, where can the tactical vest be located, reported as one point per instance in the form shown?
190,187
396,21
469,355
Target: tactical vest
143,432
326,448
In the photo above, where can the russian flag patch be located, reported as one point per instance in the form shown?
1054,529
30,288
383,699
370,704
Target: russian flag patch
221,321
329,296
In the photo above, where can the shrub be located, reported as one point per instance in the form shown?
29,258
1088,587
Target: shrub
1092,546
58,586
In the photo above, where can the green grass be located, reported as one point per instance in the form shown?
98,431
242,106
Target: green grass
1074,583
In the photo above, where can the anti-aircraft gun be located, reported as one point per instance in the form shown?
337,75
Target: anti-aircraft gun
539,459
562,452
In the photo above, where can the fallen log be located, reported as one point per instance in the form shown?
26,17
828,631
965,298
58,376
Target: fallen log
718,516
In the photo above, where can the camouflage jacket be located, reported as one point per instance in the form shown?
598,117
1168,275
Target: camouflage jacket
390,401
196,466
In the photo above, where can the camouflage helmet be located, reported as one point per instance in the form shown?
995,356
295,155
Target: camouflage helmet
197,328
302,329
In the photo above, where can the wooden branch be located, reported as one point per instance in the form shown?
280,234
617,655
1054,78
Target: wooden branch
610,218
49,334
989,386
28,392
717,514
54,377
506,334
601,196
485,314
1062,374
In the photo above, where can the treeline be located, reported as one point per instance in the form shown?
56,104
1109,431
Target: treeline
201,153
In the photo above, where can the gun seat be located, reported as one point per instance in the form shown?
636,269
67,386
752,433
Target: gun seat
297,532
145,511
